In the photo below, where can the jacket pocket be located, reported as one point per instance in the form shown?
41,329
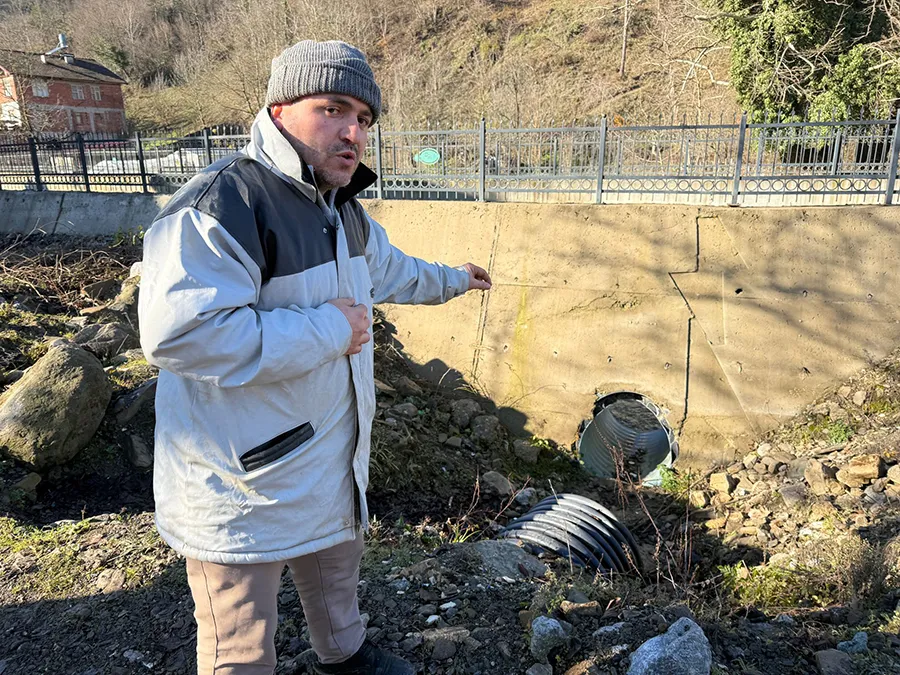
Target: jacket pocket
276,448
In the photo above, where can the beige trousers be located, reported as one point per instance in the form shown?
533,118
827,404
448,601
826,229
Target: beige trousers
236,607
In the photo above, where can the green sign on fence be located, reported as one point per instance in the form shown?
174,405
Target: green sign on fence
427,156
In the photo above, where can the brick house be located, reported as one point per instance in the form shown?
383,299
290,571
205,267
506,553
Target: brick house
58,94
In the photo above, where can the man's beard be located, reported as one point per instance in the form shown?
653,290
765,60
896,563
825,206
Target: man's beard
327,179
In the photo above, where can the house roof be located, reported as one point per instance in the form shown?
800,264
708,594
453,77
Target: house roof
30,65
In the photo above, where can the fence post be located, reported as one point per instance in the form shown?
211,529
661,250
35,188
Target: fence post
379,168
895,156
601,160
836,152
81,156
35,165
207,144
481,153
140,155
738,164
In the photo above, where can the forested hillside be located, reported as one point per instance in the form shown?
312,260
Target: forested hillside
200,62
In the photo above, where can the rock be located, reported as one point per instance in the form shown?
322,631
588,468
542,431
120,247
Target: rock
400,585
893,474
722,483
819,477
859,398
576,609
28,484
527,497
497,558
106,340
681,650
486,429
858,645
124,308
11,377
861,470
412,643
132,655
407,387
454,442
540,669
874,497
497,484
462,412
139,453
54,410
793,495
699,499
546,635
127,406
111,581
834,662
614,629
576,596
101,291
407,411
443,650
524,450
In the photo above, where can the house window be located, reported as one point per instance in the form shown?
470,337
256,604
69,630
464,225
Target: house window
7,87
77,118
40,89
95,92
78,92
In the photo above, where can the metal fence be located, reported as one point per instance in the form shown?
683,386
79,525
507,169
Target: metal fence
741,164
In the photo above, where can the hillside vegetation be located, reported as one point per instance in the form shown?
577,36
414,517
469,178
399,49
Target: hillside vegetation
202,62
192,63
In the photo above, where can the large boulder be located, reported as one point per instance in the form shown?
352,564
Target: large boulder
49,415
681,650
106,340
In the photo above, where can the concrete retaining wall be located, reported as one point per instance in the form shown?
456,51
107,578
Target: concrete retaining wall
76,213
730,319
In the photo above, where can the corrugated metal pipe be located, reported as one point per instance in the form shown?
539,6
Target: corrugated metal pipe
580,530
627,433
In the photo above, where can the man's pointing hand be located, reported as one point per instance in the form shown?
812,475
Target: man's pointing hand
479,279
358,318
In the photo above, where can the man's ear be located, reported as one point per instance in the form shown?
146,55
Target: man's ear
276,111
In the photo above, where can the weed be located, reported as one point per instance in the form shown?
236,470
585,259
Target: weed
674,482
835,431
847,570
881,406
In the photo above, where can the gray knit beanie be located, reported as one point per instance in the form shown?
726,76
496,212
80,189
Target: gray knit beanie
333,67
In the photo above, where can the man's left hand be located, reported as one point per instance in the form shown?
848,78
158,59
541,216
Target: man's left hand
479,279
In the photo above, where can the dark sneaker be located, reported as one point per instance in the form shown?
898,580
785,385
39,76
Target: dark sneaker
369,660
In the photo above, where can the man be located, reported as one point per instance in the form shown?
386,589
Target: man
259,278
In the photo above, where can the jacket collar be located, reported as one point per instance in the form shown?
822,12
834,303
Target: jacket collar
269,147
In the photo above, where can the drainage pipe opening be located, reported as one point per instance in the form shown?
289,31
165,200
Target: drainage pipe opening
629,433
